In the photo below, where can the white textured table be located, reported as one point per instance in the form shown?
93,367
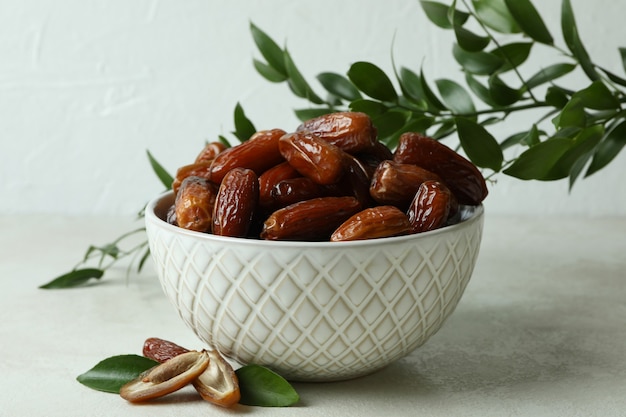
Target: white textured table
540,331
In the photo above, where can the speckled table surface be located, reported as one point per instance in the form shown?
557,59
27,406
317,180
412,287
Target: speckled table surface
540,330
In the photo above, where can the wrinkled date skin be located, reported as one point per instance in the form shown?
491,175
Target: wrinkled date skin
431,208
161,350
396,184
459,174
270,178
210,151
259,153
350,131
200,169
235,203
313,157
293,190
310,220
373,223
194,204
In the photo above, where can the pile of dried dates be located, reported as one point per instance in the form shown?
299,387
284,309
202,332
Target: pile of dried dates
331,179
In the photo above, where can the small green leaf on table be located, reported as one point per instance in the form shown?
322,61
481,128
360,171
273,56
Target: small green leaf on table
262,387
110,374
73,278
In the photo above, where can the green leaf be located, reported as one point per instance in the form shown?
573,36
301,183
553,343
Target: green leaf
388,123
225,141
268,72
165,178
597,96
496,15
410,85
112,373
480,90
437,13
370,107
73,278
272,53
529,20
372,81
556,97
537,161
339,85
244,128
572,115
430,97
297,83
583,144
573,42
419,124
548,74
611,76
479,63
501,93
479,145
306,114
447,128
455,97
470,41
513,54
143,259
608,148
622,54
529,138
261,387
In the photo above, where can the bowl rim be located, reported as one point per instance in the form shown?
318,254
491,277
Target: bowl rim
473,213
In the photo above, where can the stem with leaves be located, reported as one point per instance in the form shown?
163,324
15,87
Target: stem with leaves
580,128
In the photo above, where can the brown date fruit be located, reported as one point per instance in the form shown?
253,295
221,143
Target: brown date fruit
269,179
161,350
374,156
350,131
459,174
293,190
310,220
355,182
431,207
194,204
396,184
197,169
372,223
313,157
235,203
258,153
210,151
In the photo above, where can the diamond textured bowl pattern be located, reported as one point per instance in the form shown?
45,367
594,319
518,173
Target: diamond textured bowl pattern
314,311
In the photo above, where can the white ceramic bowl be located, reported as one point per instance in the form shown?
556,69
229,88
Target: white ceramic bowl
314,311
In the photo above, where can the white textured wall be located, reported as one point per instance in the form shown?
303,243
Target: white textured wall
86,86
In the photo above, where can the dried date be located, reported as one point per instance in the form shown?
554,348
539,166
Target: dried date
459,174
350,131
396,184
431,208
373,223
311,220
235,203
258,153
194,204
313,157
